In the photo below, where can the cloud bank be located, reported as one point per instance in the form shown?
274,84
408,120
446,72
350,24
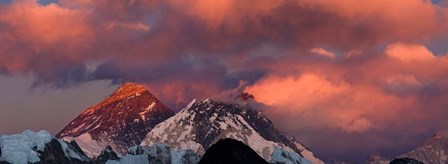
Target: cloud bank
358,68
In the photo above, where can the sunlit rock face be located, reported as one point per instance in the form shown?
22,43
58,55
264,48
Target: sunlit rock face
122,120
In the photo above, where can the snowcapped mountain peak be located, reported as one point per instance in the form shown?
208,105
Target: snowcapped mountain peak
121,120
191,103
437,136
435,140
203,123
130,88
433,150
126,91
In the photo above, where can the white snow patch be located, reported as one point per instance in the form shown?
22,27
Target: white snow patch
281,156
178,157
258,143
18,148
159,133
190,104
150,106
89,146
308,154
131,159
190,145
68,152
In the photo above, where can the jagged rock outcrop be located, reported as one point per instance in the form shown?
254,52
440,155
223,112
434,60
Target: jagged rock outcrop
107,154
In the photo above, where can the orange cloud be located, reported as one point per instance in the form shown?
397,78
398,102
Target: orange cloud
308,88
226,13
398,16
409,52
354,98
34,36
336,104
45,26
132,26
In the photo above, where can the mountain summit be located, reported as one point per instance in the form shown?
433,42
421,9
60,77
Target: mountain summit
122,120
203,123
434,150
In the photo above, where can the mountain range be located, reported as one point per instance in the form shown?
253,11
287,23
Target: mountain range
133,126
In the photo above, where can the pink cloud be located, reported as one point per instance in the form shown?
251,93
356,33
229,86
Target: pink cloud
409,52
323,52
336,103
45,26
371,95
377,101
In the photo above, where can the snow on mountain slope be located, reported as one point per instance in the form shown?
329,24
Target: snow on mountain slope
157,153
377,159
40,147
284,157
434,151
203,123
122,120
131,159
18,148
306,153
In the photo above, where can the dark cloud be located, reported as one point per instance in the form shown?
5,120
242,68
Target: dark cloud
188,71
63,77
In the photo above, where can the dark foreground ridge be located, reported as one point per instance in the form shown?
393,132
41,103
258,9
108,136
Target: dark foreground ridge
405,161
230,151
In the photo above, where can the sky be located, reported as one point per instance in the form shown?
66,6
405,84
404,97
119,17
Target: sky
347,78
